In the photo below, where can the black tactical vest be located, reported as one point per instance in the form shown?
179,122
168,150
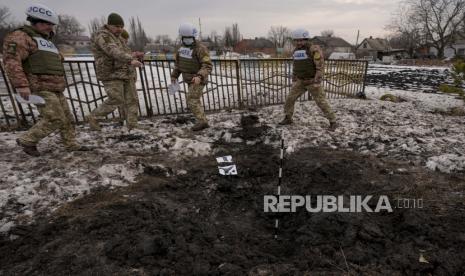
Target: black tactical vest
188,61
304,67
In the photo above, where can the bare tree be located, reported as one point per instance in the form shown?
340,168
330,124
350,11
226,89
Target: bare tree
436,22
228,39
95,24
279,35
236,35
327,33
406,29
216,39
6,25
137,36
440,20
163,40
231,36
68,26
5,13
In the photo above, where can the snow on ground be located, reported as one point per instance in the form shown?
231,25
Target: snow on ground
409,78
404,131
34,185
408,131
423,101
385,69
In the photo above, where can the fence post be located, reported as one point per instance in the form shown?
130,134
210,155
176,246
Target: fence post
19,122
145,91
363,95
239,83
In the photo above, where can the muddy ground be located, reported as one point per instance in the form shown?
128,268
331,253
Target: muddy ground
409,79
201,223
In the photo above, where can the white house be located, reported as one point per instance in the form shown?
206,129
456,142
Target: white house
456,49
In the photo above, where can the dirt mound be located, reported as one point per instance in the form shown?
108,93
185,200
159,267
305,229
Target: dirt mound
251,128
201,223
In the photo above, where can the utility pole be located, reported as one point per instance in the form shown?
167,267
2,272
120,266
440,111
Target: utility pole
358,34
200,30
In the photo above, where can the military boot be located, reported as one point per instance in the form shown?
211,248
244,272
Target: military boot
28,149
286,121
199,126
93,124
333,126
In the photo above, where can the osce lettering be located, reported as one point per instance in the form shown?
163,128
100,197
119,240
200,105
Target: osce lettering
40,10
300,54
45,45
185,52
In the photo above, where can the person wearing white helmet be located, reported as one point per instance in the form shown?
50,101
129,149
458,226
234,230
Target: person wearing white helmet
34,66
192,60
308,68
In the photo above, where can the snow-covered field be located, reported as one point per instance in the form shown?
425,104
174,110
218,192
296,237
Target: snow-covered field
408,131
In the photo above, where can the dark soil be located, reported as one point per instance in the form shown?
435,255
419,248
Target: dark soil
202,223
416,80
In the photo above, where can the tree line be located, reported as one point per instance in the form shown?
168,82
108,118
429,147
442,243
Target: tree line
428,23
70,26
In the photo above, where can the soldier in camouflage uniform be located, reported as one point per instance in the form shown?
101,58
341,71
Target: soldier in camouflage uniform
114,64
133,75
307,75
194,63
132,70
34,65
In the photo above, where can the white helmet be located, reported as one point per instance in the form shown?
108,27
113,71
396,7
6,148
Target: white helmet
300,34
187,30
42,12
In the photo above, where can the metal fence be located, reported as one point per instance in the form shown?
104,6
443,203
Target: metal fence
233,84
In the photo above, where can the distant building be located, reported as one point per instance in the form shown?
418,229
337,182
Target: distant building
72,45
159,48
214,46
375,48
254,46
378,49
455,49
424,51
331,44
76,41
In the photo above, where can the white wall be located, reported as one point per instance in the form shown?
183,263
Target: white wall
448,51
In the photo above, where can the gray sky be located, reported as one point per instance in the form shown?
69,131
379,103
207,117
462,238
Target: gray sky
254,17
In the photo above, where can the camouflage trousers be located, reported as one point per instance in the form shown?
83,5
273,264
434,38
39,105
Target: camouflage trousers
122,94
298,89
56,115
194,94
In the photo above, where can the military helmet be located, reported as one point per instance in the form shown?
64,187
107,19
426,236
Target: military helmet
187,30
43,13
300,34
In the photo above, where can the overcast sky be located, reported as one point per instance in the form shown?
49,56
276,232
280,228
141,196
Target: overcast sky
254,17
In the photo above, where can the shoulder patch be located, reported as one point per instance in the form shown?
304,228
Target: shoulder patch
316,55
206,58
106,39
11,49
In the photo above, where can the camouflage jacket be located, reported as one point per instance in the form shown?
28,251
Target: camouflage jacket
316,53
132,70
17,47
112,56
201,56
